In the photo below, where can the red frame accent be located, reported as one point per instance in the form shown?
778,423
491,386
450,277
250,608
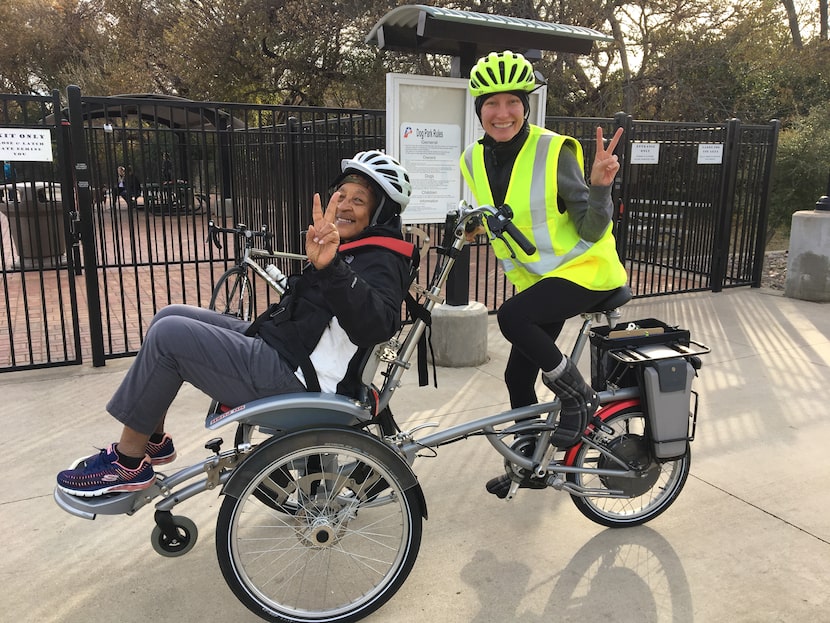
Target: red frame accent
604,413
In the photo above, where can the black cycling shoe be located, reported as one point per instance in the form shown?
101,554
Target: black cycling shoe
579,403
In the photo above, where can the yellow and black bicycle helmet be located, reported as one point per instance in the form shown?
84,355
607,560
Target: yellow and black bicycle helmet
501,72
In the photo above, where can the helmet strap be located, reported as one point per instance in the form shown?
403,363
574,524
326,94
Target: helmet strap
378,210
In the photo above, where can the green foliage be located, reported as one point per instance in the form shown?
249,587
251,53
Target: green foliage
802,167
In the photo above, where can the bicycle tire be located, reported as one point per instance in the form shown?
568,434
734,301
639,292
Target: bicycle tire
648,496
232,294
345,547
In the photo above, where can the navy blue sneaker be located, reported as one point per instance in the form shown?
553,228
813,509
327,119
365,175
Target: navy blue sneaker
163,452
102,474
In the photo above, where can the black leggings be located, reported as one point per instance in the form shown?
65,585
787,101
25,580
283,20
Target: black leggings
531,321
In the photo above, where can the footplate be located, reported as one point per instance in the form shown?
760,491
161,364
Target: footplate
109,504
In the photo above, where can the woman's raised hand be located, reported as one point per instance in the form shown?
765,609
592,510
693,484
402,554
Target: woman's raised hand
606,163
322,237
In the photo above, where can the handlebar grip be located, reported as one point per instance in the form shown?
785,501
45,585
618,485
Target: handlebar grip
524,244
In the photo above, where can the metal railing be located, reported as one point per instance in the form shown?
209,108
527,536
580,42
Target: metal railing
683,224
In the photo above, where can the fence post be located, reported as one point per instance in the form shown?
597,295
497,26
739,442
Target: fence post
225,165
763,203
619,191
726,199
80,160
458,282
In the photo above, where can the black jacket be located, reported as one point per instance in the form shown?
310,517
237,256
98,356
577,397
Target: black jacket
363,289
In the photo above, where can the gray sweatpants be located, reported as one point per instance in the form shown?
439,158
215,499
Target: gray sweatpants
208,350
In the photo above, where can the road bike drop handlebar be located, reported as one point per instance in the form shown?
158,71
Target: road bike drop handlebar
241,230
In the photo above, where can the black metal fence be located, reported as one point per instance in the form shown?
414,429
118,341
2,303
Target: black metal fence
40,325
107,258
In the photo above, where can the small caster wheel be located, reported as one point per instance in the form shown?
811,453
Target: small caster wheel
179,545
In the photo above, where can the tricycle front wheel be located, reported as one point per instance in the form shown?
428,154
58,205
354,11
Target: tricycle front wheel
324,530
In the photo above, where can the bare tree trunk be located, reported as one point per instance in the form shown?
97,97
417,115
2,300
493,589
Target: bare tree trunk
792,18
824,35
616,30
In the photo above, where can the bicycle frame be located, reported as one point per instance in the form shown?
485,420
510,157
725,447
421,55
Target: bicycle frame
335,473
240,287
541,462
248,260
288,411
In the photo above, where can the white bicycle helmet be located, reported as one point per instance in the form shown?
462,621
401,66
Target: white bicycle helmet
385,171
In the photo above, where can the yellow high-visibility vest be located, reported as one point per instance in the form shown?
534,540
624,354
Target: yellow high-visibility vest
532,195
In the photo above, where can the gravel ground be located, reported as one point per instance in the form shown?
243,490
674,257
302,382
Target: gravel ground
775,270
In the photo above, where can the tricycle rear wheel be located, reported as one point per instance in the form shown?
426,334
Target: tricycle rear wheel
647,496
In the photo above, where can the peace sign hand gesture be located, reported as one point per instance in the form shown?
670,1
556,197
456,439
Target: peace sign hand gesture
322,238
606,163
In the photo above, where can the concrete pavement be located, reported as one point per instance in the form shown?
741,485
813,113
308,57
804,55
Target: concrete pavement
747,540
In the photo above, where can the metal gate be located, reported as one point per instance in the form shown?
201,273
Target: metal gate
693,204
41,325
692,219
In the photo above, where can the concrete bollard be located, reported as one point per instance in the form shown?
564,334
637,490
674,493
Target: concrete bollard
459,335
808,259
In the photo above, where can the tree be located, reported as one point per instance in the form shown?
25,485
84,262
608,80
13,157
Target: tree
802,167
792,20
41,40
671,59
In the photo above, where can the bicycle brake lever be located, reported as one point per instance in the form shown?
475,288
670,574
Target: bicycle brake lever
501,237
213,236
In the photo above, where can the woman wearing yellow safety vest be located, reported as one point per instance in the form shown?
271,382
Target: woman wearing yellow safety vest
540,175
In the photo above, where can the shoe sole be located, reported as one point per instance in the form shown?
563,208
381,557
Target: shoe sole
163,460
121,488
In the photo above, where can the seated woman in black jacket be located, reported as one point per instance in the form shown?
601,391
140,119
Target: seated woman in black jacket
342,303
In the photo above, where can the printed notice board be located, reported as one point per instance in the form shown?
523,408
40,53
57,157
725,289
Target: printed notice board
430,151
426,130
429,122
22,145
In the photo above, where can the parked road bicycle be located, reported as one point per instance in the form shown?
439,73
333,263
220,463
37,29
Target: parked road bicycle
235,291
321,516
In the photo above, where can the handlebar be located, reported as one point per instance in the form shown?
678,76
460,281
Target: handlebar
498,222
240,230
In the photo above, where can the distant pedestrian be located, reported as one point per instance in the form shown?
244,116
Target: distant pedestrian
127,187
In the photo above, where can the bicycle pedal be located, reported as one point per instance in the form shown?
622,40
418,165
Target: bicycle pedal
500,486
